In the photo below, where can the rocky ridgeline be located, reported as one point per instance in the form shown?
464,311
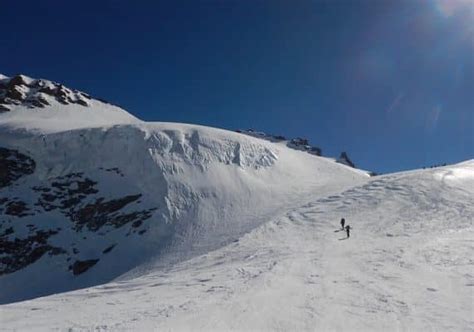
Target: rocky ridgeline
14,165
36,93
24,239
298,143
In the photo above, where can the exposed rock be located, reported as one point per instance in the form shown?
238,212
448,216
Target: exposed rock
109,249
17,209
17,80
74,196
68,193
115,170
14,165
15,93
315,150
101,213
21,90
82,102
7,232
303,145
298,143
344,159
19,253
82,266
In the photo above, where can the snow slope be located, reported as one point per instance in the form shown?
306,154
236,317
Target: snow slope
111,195
407,266
183,227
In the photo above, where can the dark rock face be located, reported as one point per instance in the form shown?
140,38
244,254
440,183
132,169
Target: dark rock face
69,193
82,266
108,249
16,81
17,208
298,143
65,192
19,253
20,90
344,159
14,165
100,213
303,145
23,240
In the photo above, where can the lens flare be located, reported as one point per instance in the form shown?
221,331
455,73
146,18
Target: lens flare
449,8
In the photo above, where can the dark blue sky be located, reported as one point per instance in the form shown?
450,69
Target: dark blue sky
390,82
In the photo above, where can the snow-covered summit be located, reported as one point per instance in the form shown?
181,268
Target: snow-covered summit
37,93
47,106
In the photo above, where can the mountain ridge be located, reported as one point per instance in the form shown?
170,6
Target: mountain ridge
91,192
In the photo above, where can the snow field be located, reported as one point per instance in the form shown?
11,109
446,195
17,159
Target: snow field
406,267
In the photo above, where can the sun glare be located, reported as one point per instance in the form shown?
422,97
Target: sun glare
449,8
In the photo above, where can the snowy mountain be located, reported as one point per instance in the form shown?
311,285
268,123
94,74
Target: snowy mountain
183,227
46,107
89,192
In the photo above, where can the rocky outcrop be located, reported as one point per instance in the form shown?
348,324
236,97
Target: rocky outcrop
17,208
82,266
37,93
68,194
102,212
344,159
14,165
18,253
298,143
76,197
303,145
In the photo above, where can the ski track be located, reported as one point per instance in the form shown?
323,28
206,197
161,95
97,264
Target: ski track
406,266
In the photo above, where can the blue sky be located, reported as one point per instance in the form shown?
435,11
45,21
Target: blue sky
390,82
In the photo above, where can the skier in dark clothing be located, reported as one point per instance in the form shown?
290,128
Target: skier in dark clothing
348,228
343,221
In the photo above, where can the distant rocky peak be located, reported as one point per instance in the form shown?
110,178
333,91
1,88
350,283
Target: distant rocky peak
36,93
344,159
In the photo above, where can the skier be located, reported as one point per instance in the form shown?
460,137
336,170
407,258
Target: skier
348,228
343,221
